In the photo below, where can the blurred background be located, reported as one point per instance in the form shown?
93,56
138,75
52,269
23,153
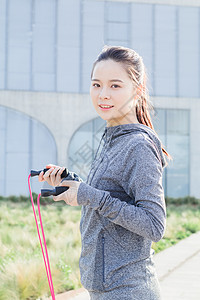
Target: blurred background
47,49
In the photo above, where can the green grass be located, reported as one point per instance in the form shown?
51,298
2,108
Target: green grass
182,221
22,271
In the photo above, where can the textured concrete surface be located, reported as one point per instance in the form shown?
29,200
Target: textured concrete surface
184,282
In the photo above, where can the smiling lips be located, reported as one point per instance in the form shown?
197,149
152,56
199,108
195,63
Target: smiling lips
105,107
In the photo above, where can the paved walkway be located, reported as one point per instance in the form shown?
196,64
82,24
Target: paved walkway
178,269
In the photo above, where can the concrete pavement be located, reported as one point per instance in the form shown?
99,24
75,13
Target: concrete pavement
178,269
184,282
80,294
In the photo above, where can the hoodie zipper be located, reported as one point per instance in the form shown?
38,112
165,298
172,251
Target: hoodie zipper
103,242
100,158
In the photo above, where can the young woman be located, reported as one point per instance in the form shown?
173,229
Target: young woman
123,205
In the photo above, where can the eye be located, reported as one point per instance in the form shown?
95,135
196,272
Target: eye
96,85
115,86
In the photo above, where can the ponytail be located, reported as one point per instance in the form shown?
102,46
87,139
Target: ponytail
143,116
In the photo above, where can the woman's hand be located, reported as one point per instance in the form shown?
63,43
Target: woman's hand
52,176
70,196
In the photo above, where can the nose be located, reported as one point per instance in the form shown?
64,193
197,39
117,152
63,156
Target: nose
104,94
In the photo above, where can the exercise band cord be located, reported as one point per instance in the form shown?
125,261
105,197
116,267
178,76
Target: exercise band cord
46,259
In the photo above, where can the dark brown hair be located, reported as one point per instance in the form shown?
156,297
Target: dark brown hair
134,66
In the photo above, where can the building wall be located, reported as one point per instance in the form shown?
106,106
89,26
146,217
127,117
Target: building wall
195,3
51,47
47,51
26,143
63,114
193,105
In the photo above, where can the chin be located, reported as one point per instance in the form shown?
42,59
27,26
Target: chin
104,118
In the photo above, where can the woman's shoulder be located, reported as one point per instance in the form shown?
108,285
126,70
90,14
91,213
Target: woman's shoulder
139,139
142,146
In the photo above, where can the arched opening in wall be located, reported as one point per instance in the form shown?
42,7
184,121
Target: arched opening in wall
173,128
25,144
83,146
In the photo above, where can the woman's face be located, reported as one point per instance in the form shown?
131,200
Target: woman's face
111,86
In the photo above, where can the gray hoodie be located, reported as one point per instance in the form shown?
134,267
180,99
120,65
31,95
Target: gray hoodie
123,206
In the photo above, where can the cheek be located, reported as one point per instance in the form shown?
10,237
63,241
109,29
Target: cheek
124,101
121,98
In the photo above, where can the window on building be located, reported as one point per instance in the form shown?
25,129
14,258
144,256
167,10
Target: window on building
117,23
25,144
172,126
83,146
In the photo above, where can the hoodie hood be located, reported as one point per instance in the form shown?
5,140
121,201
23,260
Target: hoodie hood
112,132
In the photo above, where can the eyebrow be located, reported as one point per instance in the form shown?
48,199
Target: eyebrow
118,80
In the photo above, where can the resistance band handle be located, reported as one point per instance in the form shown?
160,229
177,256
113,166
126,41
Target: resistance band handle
54,192
36,173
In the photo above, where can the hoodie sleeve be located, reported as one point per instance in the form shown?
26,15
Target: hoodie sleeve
143,172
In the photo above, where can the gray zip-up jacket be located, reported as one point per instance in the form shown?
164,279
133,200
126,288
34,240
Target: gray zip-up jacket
123,206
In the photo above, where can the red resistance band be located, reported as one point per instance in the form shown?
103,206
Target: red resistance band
46,259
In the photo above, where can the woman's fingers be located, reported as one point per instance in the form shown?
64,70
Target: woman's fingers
51,166
55,171
69,196
40,176
56,175
52,176
60,171
48,173
47,177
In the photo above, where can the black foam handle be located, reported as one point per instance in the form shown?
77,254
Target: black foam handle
36,173
54,192
60,190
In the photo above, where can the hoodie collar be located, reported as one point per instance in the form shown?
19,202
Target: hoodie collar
118,129
111,132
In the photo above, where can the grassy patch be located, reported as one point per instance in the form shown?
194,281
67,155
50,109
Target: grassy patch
22,271
182,221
